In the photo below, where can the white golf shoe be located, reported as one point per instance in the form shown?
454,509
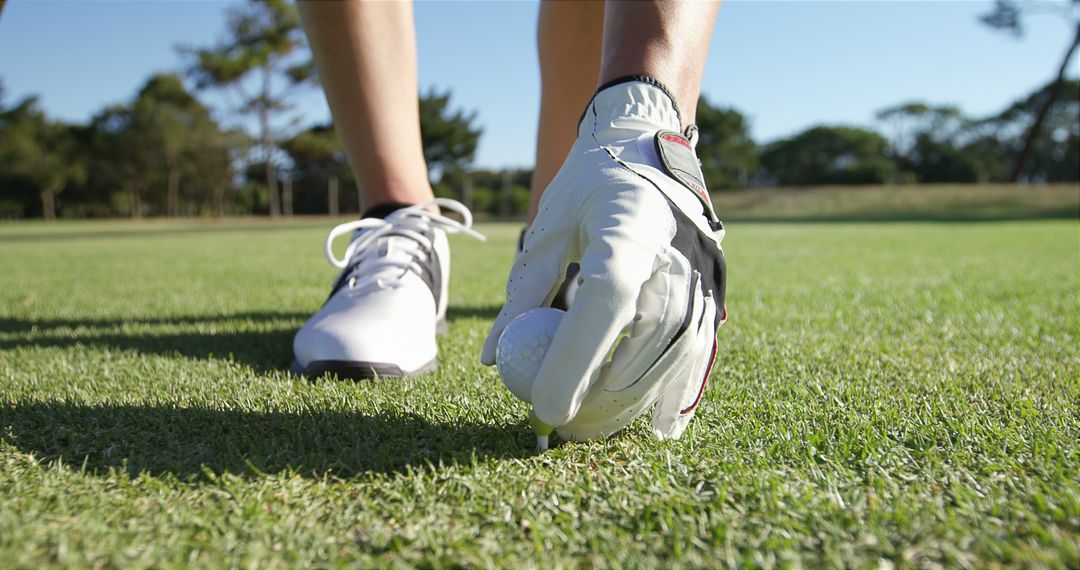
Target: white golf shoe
390,299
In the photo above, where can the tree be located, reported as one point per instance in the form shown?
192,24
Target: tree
42,152
122,155
828,155
316,152
1007,15
449,138
1053,154
728,154
264,44
176,125
503,192
913,118
929,143
163,138
208,165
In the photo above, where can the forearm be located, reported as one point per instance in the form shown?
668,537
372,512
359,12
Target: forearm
663,39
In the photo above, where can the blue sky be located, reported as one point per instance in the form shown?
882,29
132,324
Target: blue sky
787,65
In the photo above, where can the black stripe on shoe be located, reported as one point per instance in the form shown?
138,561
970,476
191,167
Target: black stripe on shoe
357,370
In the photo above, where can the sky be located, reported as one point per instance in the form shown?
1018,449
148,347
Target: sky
787,65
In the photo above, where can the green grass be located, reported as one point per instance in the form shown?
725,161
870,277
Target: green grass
924,202
886,394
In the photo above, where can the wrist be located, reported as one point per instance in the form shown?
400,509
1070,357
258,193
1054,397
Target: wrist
628,106
649,80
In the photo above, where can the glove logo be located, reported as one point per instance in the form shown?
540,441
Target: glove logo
680,162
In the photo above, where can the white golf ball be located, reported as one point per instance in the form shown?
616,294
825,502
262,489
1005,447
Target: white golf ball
522,347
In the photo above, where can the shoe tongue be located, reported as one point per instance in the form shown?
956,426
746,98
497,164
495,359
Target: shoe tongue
392,245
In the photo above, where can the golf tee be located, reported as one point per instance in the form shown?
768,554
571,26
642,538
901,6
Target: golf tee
541,429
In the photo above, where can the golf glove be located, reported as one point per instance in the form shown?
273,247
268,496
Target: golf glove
629,205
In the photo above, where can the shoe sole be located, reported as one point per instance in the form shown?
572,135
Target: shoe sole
358,370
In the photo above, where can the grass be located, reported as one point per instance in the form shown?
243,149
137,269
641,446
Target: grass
900,394
925,202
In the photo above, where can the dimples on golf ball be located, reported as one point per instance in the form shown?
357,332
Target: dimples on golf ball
522,347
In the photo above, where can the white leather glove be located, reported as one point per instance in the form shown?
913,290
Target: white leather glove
630,205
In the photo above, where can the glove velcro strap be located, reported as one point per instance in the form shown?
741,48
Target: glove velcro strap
679,161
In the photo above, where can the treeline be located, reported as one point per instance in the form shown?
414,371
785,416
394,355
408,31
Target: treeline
924,143
165,152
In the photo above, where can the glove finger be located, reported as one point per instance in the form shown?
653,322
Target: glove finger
647,361
537,273
604,412
663,310
678,404
621,254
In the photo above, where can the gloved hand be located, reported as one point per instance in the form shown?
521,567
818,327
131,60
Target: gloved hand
630,205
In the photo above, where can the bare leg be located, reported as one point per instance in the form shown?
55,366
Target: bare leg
569,40
666,40
663,39
365,53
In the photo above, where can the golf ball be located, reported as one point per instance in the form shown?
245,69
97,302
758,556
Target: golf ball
522,347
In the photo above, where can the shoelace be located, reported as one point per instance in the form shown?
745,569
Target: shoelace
414,222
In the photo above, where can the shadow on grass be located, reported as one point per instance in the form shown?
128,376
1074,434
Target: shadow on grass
186,442
28,324
488,312
260,340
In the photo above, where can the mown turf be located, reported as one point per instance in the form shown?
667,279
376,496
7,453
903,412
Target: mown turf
886,395
922,202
